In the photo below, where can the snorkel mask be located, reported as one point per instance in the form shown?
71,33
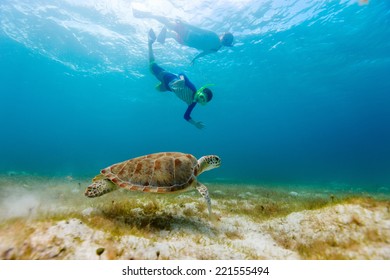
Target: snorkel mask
200,96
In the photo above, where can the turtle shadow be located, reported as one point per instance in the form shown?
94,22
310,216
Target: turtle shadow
157,222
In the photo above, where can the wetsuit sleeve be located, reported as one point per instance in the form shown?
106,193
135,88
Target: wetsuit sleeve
188,82
187,114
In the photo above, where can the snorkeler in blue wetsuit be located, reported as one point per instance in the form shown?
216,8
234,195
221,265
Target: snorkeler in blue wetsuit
179,84
204,40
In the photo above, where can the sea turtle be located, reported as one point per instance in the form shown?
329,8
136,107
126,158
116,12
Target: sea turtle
157,173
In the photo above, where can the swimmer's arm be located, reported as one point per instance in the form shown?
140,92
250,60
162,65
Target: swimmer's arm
200,55
187,117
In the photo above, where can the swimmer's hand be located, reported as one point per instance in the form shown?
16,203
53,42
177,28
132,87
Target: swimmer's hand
198,125
200,55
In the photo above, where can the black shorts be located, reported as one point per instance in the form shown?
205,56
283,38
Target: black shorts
163,76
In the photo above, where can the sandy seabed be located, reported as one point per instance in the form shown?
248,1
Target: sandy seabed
50,218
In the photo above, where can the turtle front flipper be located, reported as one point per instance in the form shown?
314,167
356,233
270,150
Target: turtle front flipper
202,189
100,187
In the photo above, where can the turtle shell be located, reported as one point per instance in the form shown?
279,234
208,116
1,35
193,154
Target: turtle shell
160,172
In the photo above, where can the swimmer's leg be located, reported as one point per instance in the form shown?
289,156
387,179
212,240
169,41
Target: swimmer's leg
169,23
151,40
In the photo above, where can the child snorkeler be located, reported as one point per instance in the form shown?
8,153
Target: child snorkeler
179,84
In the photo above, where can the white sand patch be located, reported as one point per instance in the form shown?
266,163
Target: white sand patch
256,242
69,239
350,229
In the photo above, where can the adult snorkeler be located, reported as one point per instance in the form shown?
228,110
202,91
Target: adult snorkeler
179,84
204,40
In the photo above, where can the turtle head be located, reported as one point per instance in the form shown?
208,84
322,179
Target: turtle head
208,163
100,185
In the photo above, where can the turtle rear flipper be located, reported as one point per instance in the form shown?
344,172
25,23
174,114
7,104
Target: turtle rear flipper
100,187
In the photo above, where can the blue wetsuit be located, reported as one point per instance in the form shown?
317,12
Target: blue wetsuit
182,87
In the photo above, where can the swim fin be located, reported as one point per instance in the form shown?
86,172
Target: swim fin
163,34
161,87
151,36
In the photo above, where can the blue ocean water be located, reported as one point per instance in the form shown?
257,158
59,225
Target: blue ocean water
302,97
